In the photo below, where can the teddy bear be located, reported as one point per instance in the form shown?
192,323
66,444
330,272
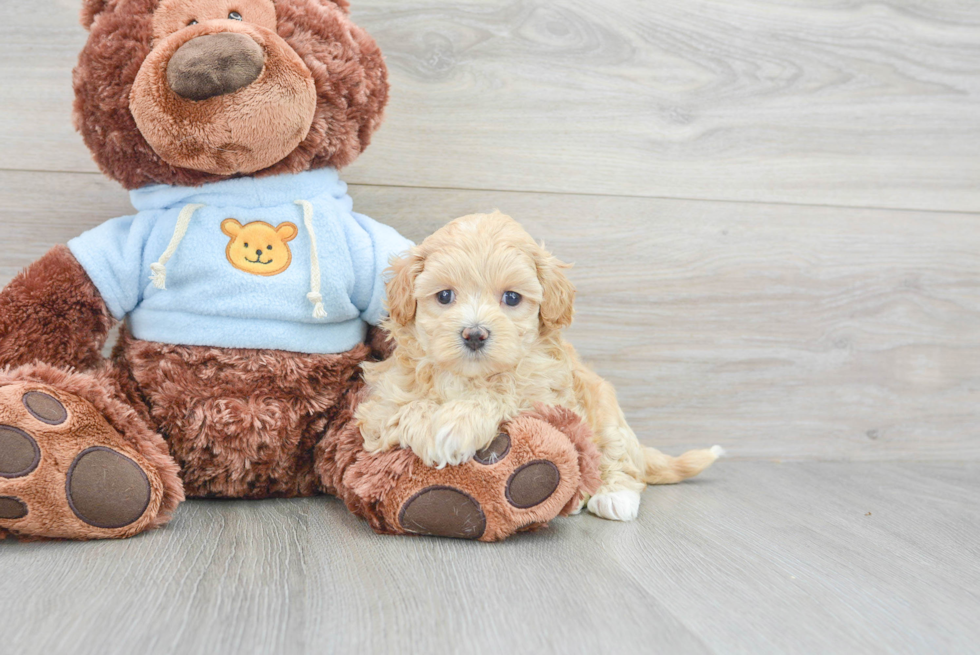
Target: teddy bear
248,290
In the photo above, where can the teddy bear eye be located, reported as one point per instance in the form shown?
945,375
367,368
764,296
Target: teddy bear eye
446,296
235,15
246,244
268,247
512,298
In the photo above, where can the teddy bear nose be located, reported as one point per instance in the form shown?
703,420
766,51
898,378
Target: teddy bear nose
258,251
214,65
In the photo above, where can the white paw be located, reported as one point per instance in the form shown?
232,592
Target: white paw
717,451
447,449
622,505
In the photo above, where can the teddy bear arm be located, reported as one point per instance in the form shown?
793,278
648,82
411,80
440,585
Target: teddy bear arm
380,342
52,312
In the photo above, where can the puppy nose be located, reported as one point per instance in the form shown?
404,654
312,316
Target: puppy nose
258,252
475,337
214,65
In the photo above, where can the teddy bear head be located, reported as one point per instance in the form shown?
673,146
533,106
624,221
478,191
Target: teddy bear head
194,91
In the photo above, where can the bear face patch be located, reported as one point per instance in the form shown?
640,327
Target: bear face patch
257,247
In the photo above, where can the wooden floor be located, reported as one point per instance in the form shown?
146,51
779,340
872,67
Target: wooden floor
755,557
774,212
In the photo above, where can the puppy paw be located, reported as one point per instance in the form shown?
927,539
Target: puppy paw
450,446
622,505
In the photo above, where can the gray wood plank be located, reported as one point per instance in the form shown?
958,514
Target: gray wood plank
753,557
763,100
777,331
819,102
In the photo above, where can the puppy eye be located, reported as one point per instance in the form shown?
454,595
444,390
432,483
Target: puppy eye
246,244
193,22
446,296
512,298
268,247
235,15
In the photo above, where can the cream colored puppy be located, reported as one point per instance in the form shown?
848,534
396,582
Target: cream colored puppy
476,311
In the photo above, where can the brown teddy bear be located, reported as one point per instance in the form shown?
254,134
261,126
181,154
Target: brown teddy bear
249,290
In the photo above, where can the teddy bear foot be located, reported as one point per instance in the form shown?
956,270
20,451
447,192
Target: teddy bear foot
66,473
540,466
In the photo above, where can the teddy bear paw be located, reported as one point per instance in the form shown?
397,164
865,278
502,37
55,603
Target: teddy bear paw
65,472
527,476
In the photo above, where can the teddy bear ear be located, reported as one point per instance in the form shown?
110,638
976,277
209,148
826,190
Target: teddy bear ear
91,9
231,227
287,232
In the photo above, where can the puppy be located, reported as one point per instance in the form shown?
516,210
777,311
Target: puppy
476,312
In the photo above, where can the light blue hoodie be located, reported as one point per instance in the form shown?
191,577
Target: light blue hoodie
309,279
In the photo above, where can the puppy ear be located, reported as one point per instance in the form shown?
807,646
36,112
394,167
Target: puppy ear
400,286
558,303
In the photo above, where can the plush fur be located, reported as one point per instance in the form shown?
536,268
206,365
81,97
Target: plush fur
240,132
239,421
345,67
51,298
98,417
445,401
216,421
375,486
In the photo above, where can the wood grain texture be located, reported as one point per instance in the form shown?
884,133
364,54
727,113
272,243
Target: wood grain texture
824,102
776,331
751,558
782,332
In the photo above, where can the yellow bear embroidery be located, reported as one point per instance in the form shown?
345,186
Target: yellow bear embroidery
258,248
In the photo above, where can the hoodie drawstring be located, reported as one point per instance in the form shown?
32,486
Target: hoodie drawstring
159,269
314,295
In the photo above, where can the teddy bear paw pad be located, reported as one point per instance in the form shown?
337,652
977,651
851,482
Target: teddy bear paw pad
532,484
106,489
64,471
19,453
495,452
45,407
443,512
12,508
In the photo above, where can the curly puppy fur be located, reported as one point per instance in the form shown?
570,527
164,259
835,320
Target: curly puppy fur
346,66
444,401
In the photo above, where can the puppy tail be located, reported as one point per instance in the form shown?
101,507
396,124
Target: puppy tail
664,469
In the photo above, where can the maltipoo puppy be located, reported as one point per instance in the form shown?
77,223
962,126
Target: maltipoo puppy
476,312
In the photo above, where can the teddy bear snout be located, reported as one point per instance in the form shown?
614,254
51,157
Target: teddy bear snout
214,65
